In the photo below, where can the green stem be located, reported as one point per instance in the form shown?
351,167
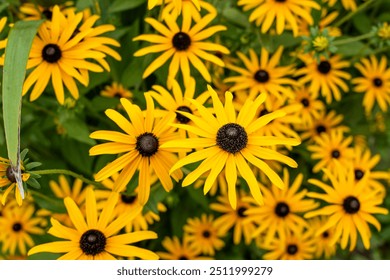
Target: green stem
48,198
161,10
353,39
67,172
353,13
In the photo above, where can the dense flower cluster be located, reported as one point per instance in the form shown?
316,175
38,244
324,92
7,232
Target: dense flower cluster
194,130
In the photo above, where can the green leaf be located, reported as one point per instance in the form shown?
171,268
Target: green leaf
123,5
3,6
18,48
32,165
78,130
236,17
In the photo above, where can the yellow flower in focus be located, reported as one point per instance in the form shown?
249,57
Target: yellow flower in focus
331,149
350,207
325,76
94,237
262,74
282,12
229,141
61,52
281,211
375,83
184,45
140,147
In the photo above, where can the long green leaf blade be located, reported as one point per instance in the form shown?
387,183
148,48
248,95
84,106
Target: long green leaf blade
16,55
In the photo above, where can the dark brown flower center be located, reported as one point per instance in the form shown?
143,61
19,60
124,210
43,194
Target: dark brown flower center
263,112
261,76
128,199
181,41
93,242
282,209
16,227
377,82
351,205
280,1
232,138
325,234
147,144
358,174
292,249
320,128
324,67
181,118
305,102
183,258
241,212
10,174
51,53
336,153
206,234
47,14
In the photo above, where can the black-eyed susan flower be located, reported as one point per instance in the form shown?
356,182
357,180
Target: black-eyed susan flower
364,164
128,202
32,11
17,225
219,186
262,74
8,181
331,148
326,21
228,141
61,52
176,5
325,76
203,234
178,101
183,45
283,126
140,147
324,247
350,207
116,90
375,83
234,218
325,123
62,189
282,12
299,245
191,8
94,237
347,4
3,42
281,211
180,250
310,110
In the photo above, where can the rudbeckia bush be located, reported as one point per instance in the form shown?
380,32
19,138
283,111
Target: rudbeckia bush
197,129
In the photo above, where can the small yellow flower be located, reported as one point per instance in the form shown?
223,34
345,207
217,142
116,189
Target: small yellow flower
384,31
320,43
